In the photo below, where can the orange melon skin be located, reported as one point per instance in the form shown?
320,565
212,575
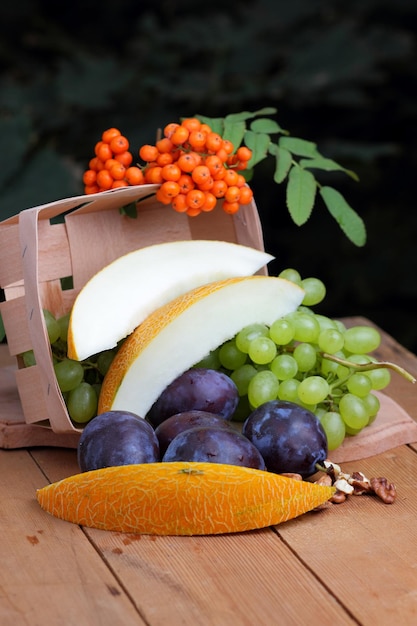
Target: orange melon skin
180,498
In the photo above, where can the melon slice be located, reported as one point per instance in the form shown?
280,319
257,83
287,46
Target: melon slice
183,331
121,295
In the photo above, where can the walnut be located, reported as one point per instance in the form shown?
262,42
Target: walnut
338,497
384,490
292,475
360,484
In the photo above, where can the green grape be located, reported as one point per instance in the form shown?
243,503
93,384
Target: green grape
306,327
306,356
69,374
334,427
313,390
330,340
372,404
242,377
315,291
230,356
342,371
359,384
63,323
28,358
211,361
52,326
284,366
262,350
104,360
291,274
288,390
362,339
339,325
248,334
327,366
262,388
325,322
380,378
353,411
282,331
82,403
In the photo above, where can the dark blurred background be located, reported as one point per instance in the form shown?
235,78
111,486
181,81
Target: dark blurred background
340,74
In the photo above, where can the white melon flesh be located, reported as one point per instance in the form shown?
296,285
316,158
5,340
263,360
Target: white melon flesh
180,334
121,295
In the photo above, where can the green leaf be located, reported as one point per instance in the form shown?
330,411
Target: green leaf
248,115
283,160
301,193
349,221
328,165
259,144
300,147
234,132
2,329
265,125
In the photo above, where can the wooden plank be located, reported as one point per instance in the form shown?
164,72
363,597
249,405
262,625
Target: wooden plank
50,573
365,550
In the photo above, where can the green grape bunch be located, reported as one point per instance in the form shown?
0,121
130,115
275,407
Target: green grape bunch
311,360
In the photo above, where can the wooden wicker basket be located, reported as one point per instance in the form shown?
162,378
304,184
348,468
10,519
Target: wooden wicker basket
76,237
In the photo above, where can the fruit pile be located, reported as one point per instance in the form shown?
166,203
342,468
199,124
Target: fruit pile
194,166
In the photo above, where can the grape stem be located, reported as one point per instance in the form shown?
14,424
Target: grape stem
366,367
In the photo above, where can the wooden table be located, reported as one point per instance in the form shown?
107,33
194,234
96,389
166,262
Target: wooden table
355,563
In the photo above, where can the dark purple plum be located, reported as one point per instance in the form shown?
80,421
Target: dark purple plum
117,438
213,445
172,426
197,389
289,437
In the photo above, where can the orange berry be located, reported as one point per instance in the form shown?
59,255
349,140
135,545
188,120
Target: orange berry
119,144
161,197
209,202
153,175
241,181
214,164
219,188
197,139
213,142
170,129
165,158
170,188
108,134
148,153
232,160
187,162
205,128
164,145
230,177
228,146
232,194
246,195
244,153
193,212
104,152
179,203
109,164
180,136
88,189
124,157
104,179
195,198
201,174
186,183
89,177
198,158
96,164
134,175
191,123
241,165
231,207
118,171
119,183
206,185
222,154
171,172
98,146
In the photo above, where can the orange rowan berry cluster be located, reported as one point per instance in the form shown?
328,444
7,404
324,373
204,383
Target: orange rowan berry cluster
193,166
111,166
